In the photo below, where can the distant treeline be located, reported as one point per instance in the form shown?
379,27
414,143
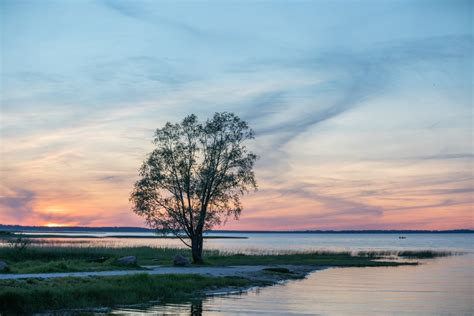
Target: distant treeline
75,229
145,230
371,231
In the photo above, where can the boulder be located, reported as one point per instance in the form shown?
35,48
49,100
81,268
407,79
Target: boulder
4,266
129,260
181,261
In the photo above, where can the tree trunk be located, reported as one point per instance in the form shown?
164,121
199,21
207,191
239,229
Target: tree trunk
196,249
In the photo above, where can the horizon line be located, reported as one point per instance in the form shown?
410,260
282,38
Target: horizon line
130,228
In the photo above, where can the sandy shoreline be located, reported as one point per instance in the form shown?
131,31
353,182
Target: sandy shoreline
247,271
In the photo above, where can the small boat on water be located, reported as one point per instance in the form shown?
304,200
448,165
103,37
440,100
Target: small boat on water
402,237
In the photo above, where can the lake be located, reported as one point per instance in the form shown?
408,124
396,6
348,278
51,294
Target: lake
275,242
442,286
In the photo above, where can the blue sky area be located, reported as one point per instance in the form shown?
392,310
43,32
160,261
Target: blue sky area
362,109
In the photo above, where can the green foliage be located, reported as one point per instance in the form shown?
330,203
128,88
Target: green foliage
34,295
423,254
334,259
195,177
43,259
39,259
407,254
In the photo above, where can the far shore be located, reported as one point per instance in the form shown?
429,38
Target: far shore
124,229
72,235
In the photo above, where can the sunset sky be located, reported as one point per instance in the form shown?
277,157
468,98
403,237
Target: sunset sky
362,109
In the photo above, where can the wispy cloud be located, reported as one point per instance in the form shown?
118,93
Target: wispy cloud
143,12
359,124
18,205
360,76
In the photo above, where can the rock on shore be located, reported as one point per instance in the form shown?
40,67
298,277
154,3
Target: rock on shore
128,261
181,261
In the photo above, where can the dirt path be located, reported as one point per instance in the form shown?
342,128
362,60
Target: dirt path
211,271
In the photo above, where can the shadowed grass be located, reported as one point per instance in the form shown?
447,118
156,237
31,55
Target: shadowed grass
409,254
424,254
38,259
35,252
339,259
66,265
33,295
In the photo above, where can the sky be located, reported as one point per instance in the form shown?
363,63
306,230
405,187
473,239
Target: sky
363,110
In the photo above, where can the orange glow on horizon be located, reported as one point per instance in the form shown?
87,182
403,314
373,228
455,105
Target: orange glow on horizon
54,225
52,209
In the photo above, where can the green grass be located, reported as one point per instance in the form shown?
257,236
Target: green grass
65,265
424,254
35,295
40,252
335,259
409,254
38,259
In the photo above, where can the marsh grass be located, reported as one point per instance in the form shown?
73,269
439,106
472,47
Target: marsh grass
426,254
39,259
334,259
47,258
408,254
33,295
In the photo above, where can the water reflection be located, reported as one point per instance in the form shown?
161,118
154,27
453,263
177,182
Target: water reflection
438,287
191,308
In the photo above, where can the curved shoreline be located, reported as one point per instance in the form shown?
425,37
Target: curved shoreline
242,271
268,278
55,292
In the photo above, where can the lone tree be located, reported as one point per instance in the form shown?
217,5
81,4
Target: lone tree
194,178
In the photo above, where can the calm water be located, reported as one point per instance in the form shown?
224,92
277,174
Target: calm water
258,242
437,287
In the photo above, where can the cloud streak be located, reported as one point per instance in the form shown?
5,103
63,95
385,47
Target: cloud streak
18,205
364,124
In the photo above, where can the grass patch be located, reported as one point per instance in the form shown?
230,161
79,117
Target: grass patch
335,259
424,254
38,258
35,295
66,265
408,254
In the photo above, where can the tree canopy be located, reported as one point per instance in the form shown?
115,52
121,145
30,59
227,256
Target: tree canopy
196,175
